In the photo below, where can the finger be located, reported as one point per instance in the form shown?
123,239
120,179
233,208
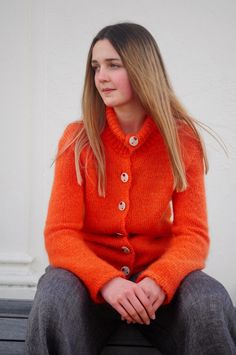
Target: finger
146,292
124,314
127,320
146,302
131,310
159,301
139,309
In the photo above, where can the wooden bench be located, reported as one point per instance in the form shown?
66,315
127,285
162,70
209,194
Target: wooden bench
13,320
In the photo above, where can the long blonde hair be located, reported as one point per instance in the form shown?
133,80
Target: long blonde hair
141,57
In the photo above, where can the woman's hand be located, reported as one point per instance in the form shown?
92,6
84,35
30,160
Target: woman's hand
130,299
153,291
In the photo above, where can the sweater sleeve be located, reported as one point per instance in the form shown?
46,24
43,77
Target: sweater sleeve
188,248
64,235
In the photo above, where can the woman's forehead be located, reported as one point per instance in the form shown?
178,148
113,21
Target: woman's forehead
104,50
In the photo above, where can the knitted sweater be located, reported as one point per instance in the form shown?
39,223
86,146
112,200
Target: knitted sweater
142,225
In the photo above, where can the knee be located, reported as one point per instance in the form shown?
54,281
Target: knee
201,294
57,290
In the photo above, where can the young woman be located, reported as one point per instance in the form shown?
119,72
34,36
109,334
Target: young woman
126,231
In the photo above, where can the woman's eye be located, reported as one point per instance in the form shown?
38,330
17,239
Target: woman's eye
114,65
95,68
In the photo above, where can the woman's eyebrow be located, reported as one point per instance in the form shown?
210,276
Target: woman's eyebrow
107,60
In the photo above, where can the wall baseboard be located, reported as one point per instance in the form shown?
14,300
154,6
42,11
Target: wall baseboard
16,277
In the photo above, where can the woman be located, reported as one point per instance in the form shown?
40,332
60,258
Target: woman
126,231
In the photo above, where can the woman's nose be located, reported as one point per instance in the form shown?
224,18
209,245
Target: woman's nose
102,75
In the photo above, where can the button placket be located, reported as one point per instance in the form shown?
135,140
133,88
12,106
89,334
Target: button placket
126,270
118,234
125,249
124,177
122,205
133,141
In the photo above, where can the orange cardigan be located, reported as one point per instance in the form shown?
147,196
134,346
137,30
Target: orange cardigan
142,225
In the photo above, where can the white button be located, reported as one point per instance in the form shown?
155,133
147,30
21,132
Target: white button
122,206
133,141
125,270
124,177
125,249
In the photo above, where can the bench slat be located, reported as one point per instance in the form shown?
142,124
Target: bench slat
15,307
12,329
12,348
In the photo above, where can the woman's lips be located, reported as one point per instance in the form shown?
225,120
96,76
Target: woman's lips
107,90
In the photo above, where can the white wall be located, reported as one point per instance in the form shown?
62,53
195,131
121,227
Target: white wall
43,51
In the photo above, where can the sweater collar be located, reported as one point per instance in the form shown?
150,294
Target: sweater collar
122,141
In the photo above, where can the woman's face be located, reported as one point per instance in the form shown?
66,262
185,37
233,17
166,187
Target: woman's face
110,76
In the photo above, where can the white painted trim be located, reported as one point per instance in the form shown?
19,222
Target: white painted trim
16,277
9,279
26,293
15,258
